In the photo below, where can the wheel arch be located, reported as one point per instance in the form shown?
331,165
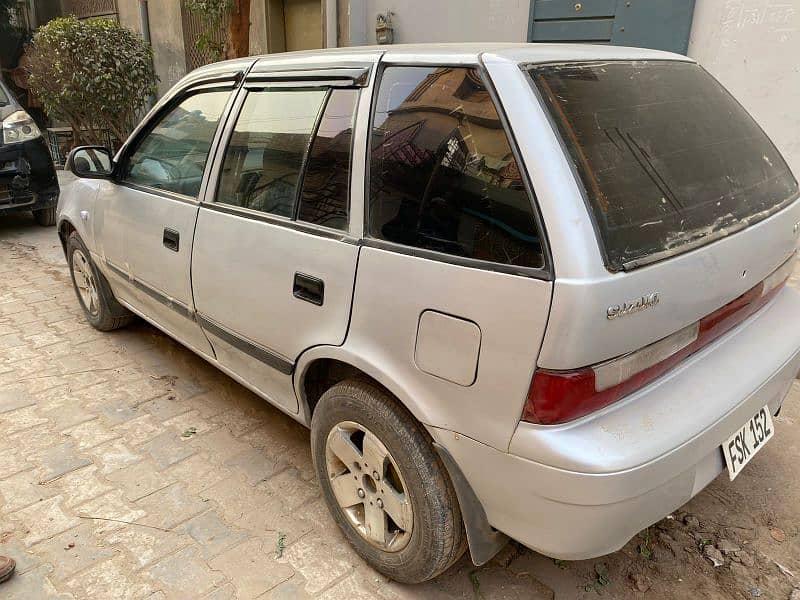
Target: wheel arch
65,229
323,366
320,367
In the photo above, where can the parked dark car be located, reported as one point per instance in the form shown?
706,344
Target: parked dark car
28,179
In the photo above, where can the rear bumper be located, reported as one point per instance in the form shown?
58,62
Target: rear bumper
27,177
585,488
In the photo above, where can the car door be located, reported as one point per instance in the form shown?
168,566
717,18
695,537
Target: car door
273,264
150,209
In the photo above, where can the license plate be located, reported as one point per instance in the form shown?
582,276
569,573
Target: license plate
742,445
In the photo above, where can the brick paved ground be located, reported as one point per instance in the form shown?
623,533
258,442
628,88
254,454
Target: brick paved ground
129,468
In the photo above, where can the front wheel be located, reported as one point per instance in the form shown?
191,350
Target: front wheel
384,483
96,299
46,217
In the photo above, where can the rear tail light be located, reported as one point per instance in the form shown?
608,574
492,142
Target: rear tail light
560,396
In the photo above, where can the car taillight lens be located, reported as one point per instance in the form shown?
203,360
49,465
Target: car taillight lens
560,396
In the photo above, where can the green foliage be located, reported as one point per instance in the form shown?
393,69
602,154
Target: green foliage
212,13
212,9
94,74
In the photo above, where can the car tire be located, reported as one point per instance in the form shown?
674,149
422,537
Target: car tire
354,422
46,217
94,294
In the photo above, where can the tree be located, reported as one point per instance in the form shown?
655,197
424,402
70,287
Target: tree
93,74
238,39
233,15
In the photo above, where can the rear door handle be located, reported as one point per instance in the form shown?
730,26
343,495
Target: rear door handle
172,239
308,288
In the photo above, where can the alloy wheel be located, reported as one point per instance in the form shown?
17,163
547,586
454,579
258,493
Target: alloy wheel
85,282
368,486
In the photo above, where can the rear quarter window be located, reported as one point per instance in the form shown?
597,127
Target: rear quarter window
669,159
443,176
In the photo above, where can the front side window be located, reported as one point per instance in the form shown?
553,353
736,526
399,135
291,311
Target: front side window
443,176
172,156
264,159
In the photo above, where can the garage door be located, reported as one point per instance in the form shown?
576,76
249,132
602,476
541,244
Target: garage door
659,24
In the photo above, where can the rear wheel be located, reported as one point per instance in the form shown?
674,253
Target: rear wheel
384,483
46,217
96,299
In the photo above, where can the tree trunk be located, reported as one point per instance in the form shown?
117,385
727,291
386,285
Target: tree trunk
237,43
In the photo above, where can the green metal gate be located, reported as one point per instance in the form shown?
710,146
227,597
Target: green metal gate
659,24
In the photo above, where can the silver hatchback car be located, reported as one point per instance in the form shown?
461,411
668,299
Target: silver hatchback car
514,290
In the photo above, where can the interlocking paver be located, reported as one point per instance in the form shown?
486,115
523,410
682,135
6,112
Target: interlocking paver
211,533
12,461
72,551
33,584
169,506
139,430
90,434
44,519
255,465
12,399
167,449
197,473
66,415
111,511
186,574
80,486
114,456
110,579
21,490
20,420
60,459
226,592
139,480
219,444
145,545
165,407
320,563
252,566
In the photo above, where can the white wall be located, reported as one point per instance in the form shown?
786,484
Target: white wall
753,48
442,20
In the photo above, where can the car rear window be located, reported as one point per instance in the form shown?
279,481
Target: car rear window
668,157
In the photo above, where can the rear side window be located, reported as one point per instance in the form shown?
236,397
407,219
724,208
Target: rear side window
265,155
443,176
669,159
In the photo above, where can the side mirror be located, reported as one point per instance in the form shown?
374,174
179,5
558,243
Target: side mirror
92,162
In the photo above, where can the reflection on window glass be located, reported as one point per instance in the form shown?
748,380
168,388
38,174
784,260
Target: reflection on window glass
265,154
442,173
173,155
325,183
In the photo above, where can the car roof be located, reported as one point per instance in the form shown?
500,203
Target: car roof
449,53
